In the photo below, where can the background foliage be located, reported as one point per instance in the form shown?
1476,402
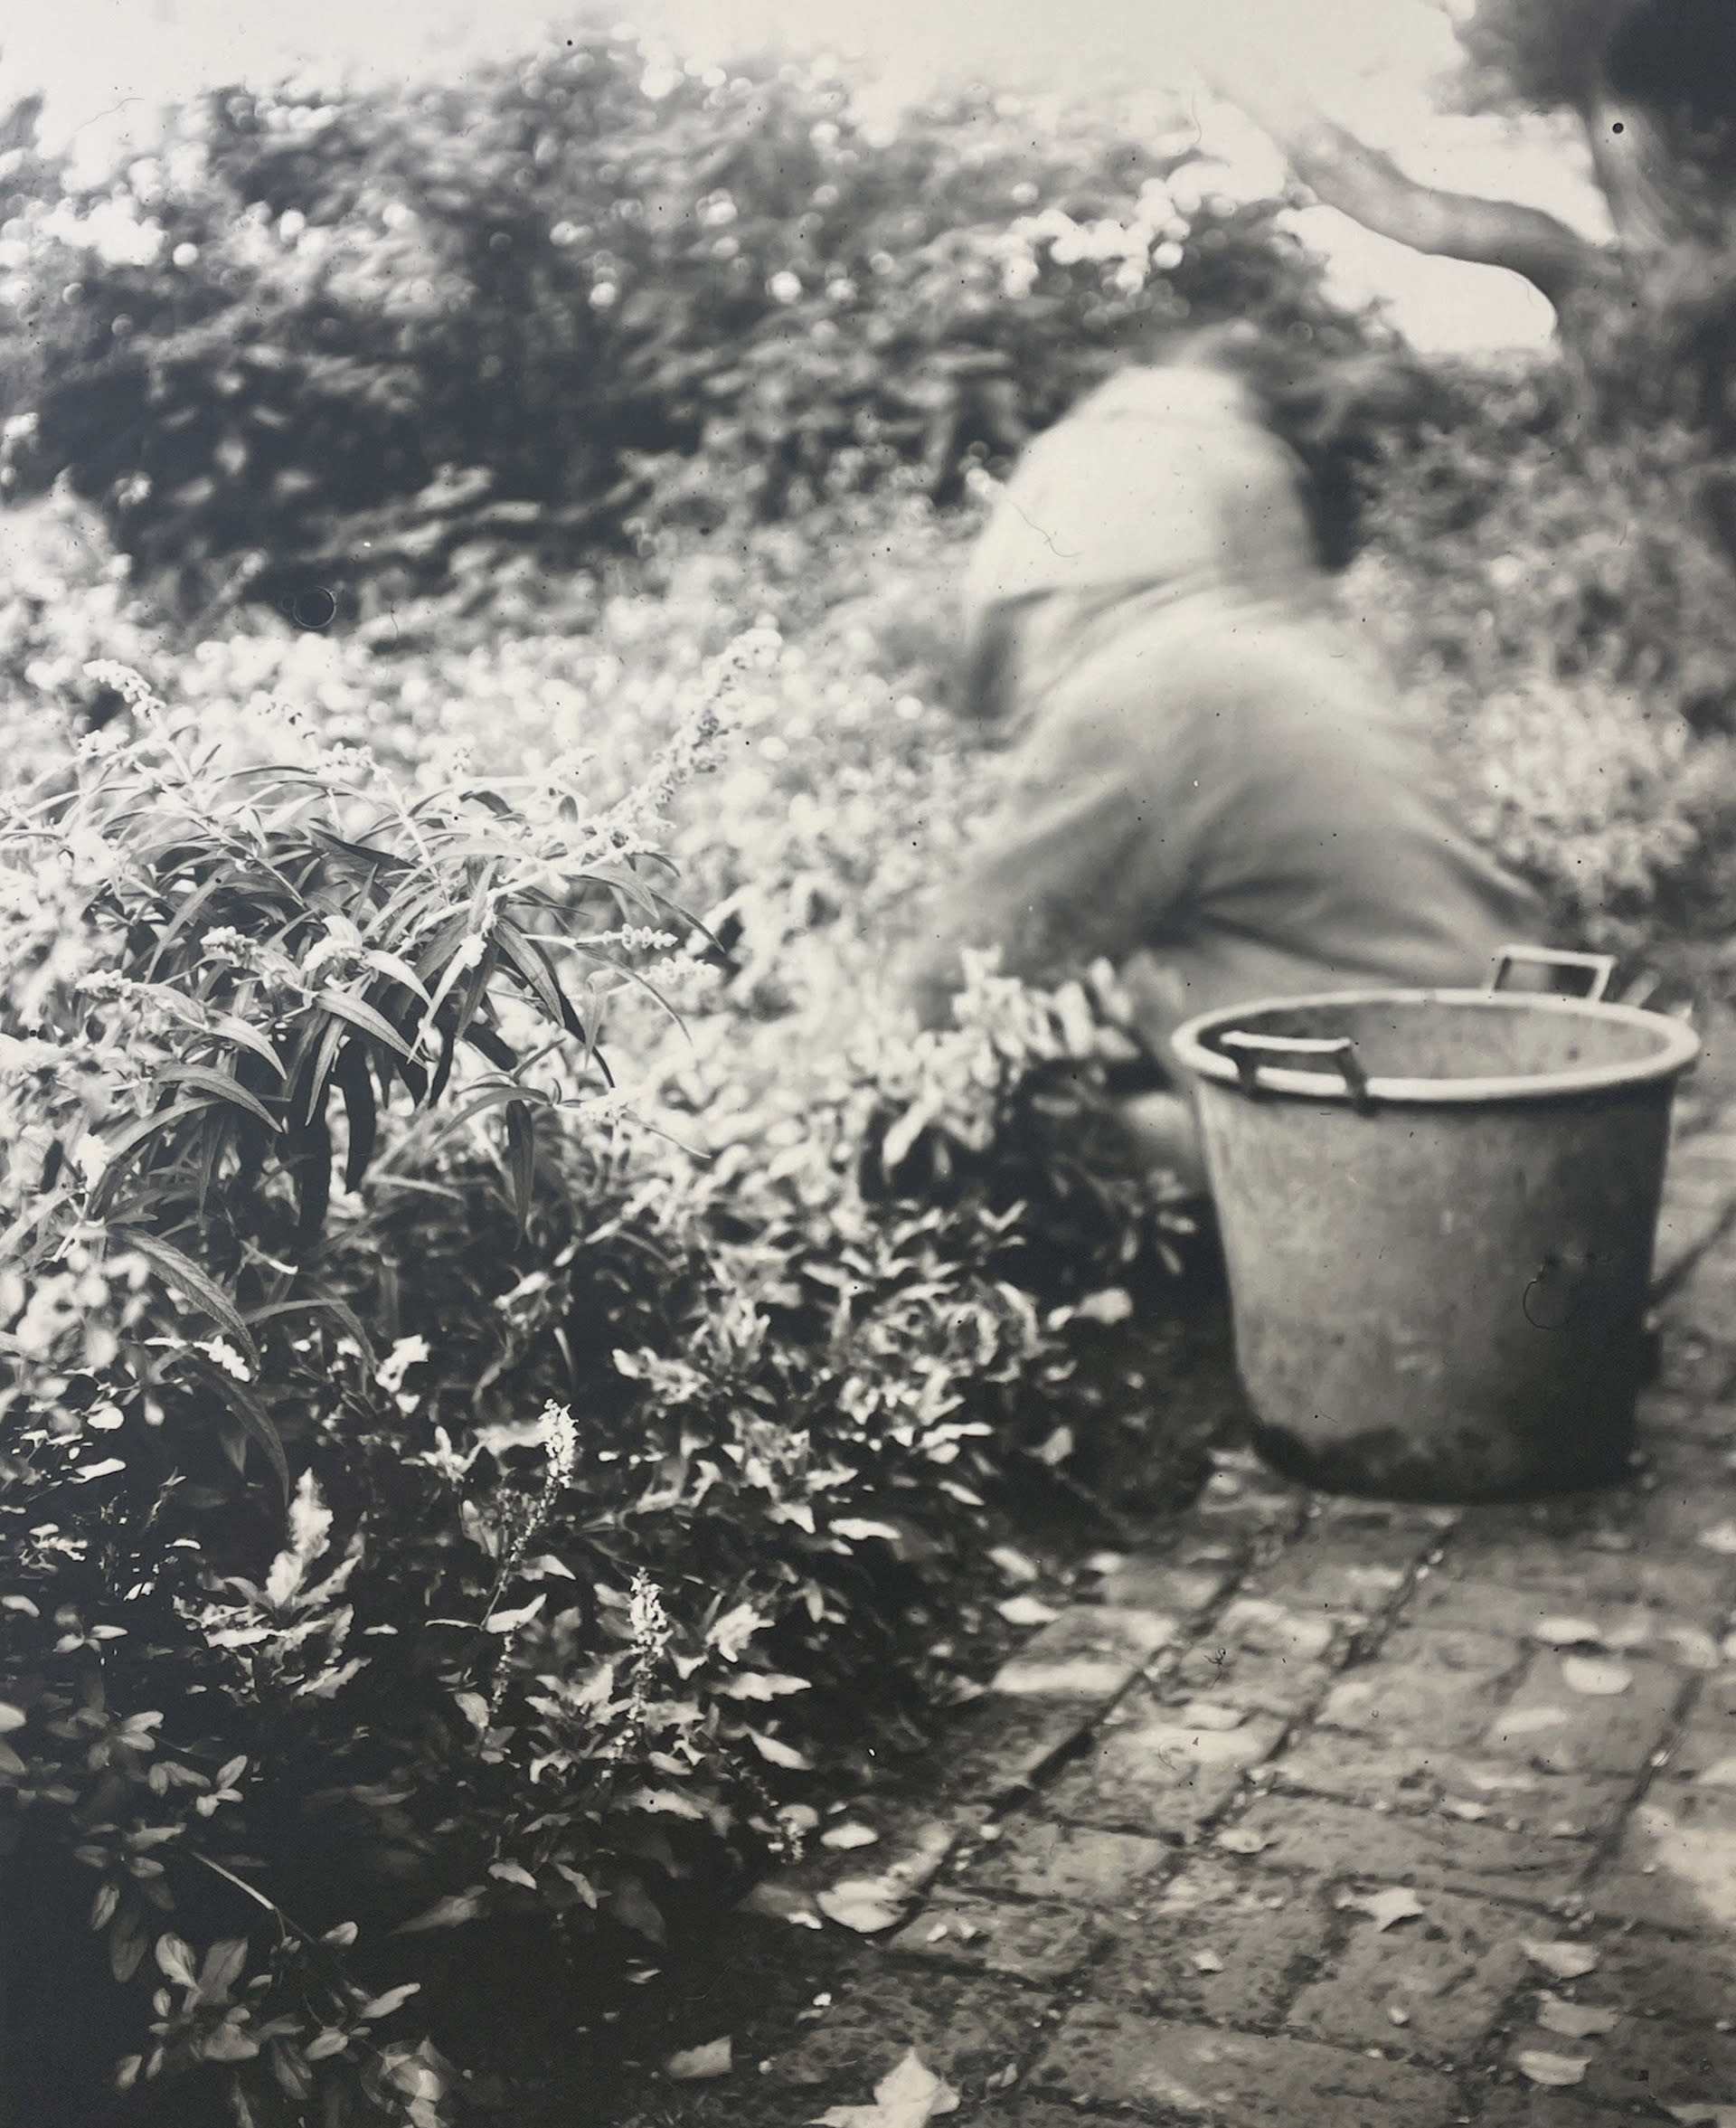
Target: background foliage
578,296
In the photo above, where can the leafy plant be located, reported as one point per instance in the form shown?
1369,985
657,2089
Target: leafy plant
607,1474
218,980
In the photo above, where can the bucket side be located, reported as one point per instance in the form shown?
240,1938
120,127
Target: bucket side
1440,1303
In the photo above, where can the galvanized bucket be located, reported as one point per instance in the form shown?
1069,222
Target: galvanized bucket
1439,1239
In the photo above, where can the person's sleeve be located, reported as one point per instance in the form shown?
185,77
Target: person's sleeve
1057,880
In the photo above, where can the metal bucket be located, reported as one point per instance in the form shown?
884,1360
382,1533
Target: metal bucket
1439,1240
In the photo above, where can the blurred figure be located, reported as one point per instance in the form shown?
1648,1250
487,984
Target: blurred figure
1207,781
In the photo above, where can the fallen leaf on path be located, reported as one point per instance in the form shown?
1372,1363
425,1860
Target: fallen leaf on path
1114,1304
909,2096
1014,1563
1385,1908
1566,1962
715,2059
849,1835
1206,1713
1557,2070
780,1902
1526,1721
1506,1782
1027,1611
1695,1645
1574,2020
864,1907
1595,1676
1567,1632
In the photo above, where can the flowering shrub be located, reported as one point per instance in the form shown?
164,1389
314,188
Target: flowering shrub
198,959
429,1495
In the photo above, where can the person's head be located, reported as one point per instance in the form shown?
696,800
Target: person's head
1327,401
1165,484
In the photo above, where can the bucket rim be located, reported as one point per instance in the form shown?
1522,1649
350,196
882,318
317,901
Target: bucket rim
1678,1050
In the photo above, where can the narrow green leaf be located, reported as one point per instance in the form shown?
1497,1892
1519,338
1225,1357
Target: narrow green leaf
324,1058
358,853
399,971
195,1284
199,899
480,1097
231,1029
534,973
126,1143
469,1002
492,1045
438,951
219,1083
327,1303
521,1159
363,1016
310,1162
351,1075
255,1420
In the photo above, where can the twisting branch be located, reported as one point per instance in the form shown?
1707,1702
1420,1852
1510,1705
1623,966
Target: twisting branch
1368,185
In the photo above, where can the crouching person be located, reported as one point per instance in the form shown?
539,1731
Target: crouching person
1206,781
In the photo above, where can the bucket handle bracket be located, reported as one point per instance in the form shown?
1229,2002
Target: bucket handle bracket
1251,1053
1599,967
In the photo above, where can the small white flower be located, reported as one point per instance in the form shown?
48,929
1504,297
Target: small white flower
407,1353
226,1356
645,1615
560,1443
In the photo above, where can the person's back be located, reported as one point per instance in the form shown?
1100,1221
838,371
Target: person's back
1209,785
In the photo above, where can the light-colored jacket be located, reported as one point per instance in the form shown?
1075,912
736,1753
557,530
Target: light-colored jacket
1207,781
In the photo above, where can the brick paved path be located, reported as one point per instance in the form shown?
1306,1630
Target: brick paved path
1325,1814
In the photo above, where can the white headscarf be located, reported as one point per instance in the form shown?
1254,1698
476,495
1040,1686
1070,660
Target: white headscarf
1162,486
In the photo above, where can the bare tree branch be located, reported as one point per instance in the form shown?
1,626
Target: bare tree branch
1368,185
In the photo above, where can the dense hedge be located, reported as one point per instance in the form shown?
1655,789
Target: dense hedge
1551,569
577,297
